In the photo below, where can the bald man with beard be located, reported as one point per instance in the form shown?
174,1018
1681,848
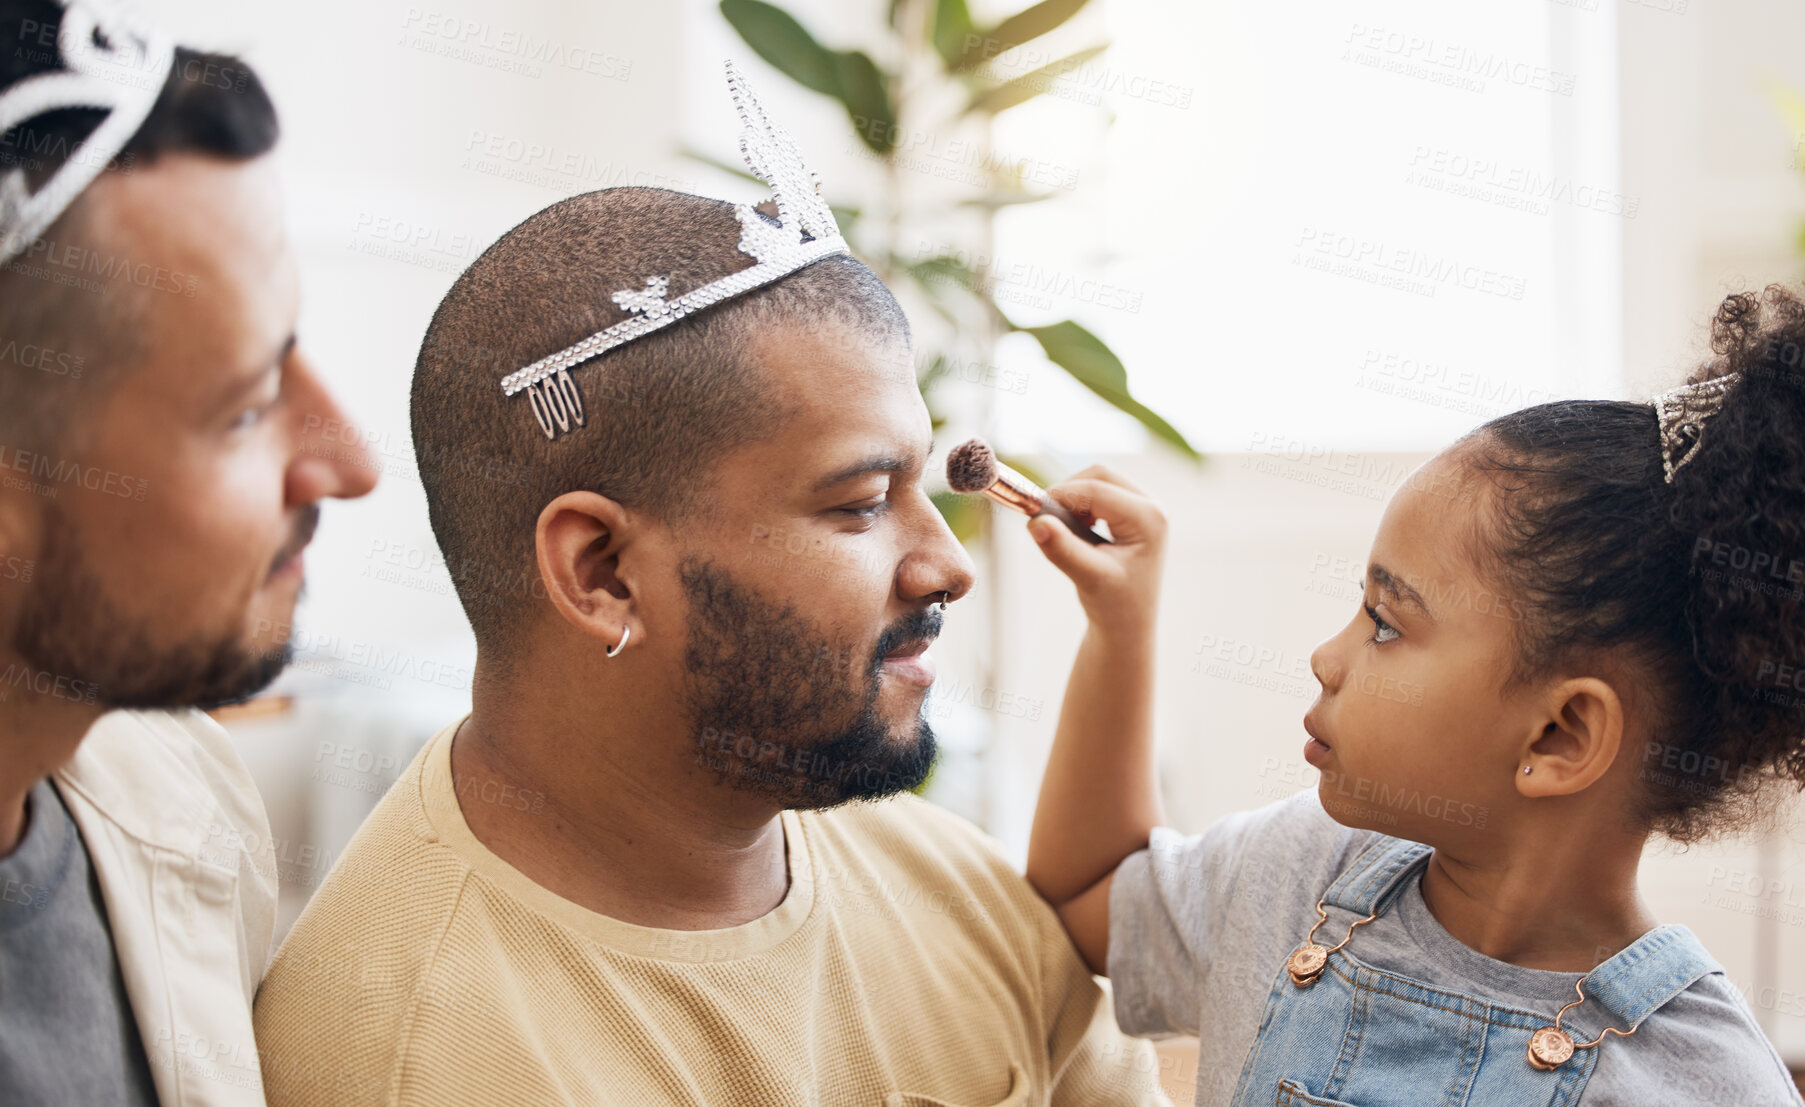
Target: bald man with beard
671,856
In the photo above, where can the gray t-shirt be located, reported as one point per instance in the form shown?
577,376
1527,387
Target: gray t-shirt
67,1035
1200,927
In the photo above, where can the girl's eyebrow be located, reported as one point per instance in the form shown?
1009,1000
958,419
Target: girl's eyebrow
1407,597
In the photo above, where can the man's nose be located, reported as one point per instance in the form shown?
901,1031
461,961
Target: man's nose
333,456
938,563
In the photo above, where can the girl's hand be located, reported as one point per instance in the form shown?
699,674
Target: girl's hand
1118,582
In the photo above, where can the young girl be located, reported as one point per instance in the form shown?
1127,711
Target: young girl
1581,627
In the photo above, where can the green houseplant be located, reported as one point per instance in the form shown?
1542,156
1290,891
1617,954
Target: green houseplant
938,77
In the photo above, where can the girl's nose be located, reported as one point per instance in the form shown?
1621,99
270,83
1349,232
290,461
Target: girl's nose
1324,666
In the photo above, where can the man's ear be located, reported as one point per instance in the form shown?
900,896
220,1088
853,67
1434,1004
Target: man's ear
1578,741
578,541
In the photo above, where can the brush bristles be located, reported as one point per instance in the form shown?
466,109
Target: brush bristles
971,466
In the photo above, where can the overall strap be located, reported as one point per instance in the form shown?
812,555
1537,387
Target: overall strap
1375,879
1650,971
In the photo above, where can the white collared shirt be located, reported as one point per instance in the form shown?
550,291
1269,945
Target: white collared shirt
178,838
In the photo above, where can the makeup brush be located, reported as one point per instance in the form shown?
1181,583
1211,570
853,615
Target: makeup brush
973,467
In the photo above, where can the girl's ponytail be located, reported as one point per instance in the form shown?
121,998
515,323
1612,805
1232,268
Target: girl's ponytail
1741,499
1700,580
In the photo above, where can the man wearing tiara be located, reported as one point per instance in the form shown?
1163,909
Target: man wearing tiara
156,490
671,856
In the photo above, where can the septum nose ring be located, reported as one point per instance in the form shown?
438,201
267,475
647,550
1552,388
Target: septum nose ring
943,600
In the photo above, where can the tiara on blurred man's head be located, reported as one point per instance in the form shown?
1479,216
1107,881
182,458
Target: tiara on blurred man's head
1680,413
805,233
111,63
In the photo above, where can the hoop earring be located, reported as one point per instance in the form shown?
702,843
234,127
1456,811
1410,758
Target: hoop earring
626,633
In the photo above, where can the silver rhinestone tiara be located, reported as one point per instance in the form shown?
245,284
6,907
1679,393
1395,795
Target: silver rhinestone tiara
1681,414
805,233
111,63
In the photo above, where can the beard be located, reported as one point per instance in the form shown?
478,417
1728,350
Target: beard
781,710
68,628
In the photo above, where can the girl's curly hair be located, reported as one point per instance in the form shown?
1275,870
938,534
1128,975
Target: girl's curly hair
1699,582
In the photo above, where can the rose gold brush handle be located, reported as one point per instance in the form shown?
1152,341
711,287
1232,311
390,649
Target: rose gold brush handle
1052,507
1014,490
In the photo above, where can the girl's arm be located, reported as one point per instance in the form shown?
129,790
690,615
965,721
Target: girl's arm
1099,798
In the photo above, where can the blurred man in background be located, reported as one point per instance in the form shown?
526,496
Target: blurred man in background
156,491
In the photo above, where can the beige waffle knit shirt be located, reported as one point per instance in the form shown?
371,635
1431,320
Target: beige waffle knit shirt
908,966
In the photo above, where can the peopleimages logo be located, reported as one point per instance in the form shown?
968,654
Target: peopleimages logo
67,473
46,684
79,262
30,355
505,48
1385,797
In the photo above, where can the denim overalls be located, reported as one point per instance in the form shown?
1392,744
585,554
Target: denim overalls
1361,1037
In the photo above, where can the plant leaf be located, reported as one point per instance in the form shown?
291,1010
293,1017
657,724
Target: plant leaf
1788,102
952,26
1026,468
849,76
1094,365
775,36
865,91
1023,26
927,374
845,217
716,163
1791,106
1029,85
963,514
1006,199
936,300
942,270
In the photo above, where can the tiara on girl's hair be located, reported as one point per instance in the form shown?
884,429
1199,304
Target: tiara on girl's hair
806,233
111,63
1681,413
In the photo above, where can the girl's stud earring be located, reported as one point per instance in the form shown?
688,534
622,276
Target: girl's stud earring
1526,770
